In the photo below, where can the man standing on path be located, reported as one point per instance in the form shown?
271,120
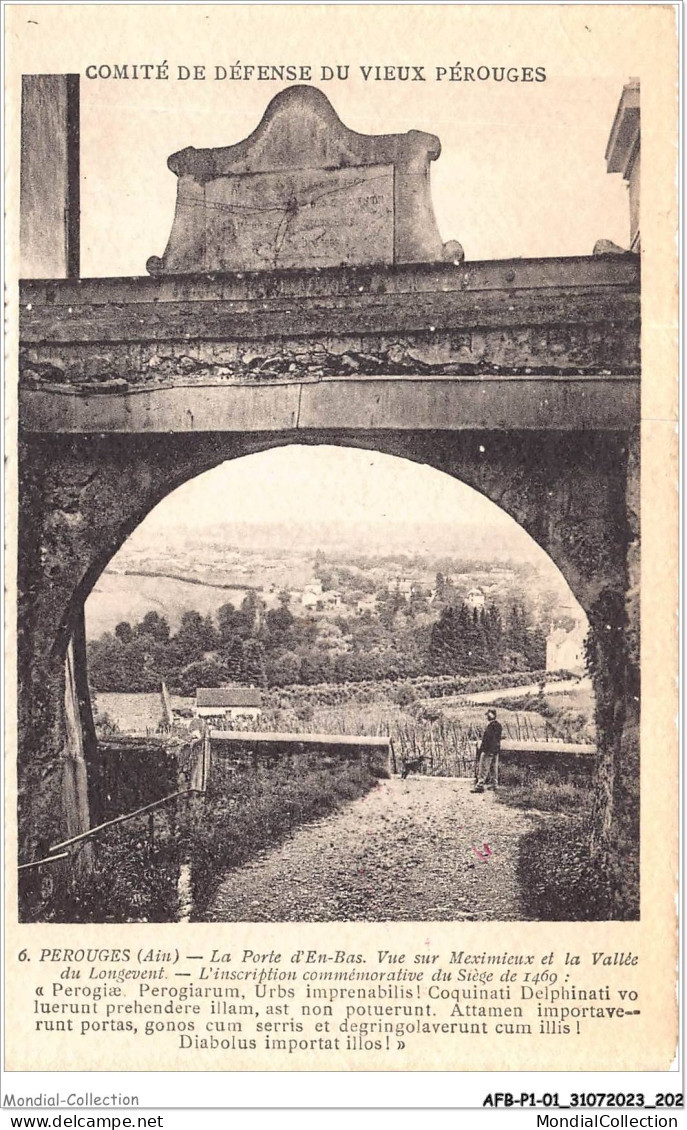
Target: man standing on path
488,753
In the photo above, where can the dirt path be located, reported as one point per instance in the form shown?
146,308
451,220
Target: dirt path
553,687
408,850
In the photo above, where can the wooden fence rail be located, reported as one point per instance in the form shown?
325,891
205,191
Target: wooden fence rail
40,862
121,819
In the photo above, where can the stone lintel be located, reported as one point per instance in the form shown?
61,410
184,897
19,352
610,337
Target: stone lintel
541,317
576,271
581,313
328,407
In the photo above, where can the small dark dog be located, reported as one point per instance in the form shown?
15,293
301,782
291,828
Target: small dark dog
412,767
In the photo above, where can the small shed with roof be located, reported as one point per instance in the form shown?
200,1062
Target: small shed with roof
228,702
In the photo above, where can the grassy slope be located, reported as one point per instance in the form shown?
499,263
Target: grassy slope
118,597
558,880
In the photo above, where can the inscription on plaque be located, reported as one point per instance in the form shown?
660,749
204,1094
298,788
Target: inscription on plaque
271,220
303,191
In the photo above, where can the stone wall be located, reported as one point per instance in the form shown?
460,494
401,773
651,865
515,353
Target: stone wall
567,317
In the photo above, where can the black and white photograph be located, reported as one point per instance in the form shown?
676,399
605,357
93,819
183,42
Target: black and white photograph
341,438
329,541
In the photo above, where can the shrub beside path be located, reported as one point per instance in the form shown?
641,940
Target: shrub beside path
409,850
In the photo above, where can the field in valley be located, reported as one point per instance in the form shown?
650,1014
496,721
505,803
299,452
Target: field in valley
120,596
135,713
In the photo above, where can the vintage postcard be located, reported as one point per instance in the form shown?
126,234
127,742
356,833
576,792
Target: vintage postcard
341,445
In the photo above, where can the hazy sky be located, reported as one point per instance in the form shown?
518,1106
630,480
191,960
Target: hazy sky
335,491
522,170
326,485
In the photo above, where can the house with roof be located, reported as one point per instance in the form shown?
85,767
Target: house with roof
314,596
475,598
232,703
565,650
401,585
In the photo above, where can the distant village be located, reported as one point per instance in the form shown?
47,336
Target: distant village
226,623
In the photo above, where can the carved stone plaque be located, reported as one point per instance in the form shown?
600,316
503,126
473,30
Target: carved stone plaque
269,220
302,191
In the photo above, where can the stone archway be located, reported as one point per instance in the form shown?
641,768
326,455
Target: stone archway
84,494
520,377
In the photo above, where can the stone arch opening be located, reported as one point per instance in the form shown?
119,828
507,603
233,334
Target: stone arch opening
570,491
114,511
439,491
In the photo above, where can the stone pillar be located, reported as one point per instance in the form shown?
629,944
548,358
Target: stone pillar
75,805
53,690
623,152
615,664
80,497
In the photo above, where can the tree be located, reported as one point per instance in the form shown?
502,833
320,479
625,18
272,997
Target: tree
196,635
283,669
331,637
516,632
227,622
513,661
235,625
251,609
464,641
444,651
203,673
253,663
279,621
535,650
388,608
211,636
404,694
493,630
479,651
314,668
107,664
444,589
155,626
418,603
124,632
232,657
